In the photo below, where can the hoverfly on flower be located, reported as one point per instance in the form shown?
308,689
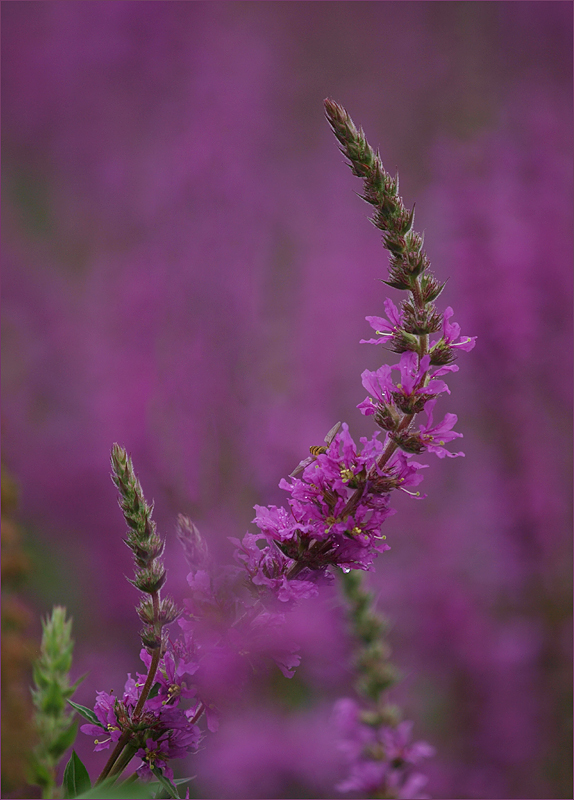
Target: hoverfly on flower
316,450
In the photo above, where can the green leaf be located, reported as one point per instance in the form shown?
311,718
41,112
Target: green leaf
41,679
109,790
167,784
154,690
87,713
76,778
80,680
157,787
175,781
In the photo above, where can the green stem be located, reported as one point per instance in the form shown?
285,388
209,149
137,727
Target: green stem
122,762
122,741
149,682
143,697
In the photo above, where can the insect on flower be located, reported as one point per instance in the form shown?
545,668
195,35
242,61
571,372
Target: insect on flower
316,450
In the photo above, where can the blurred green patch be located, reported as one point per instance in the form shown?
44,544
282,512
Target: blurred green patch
28,192
289,693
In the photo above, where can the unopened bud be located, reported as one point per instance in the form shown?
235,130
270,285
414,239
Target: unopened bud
409,442
168,611
150,639
151,579
145,550
387,417
194,545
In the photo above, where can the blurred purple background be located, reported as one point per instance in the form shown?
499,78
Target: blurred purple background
187,269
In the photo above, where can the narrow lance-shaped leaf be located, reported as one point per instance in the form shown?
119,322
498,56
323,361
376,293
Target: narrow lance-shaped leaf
87,713
76,778
167,784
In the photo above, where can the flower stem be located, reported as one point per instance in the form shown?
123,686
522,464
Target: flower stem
149,682
198,713
122,762
123,740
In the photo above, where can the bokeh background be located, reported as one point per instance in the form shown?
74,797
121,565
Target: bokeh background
186,271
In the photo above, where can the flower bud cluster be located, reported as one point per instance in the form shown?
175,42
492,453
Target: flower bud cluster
375,672
408,261
194,545
147,547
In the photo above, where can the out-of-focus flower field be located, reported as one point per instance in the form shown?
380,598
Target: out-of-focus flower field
186,271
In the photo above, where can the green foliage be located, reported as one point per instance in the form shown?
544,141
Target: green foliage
165,783
129,790
55,728
132,789
76,778
87,713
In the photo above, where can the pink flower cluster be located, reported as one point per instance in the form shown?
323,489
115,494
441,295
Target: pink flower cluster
380,757
163,730
341,499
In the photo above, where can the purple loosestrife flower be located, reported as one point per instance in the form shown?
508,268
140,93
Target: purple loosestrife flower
384,329
105,711
415,387
162,721
227,631
173,678
175,743
335,505
434,438
442,350
268,566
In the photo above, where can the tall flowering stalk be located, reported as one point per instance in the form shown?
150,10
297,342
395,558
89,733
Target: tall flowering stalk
149,721
151,727
375,741
341,499
340,494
